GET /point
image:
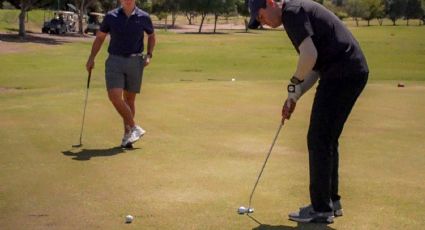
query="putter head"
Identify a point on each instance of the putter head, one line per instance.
(242, 210)
(77, 146)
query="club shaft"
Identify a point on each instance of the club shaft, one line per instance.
(264, 165)
(85, 105)
(84, 115)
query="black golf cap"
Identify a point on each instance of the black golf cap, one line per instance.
(253, 7)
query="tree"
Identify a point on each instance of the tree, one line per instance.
(203, 7)
(25, 6)
(413, 10)
(164, 7)
(188, 8)
(337, 10)
(372, 9)
(423, 10)
(108, 5)
(395, 9)
(356, 9)
(221, 7)
(381, 13)
(82, 6)
(242, 10)
(338, 2)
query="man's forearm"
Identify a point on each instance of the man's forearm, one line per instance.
(307, 59)
(97, 44)
(309, 80)
(151, 43)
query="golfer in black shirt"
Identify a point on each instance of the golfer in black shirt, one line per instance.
(327, 50)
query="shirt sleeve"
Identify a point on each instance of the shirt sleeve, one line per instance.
(105, 27)
(149, 26)
(297, 26)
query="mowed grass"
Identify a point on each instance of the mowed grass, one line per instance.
(206, 139)
(9, 19)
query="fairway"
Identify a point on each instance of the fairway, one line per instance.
(207, 137)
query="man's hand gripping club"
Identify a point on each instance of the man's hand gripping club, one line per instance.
(294, 93)
(296, 89)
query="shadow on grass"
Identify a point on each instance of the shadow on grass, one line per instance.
(40, 38)
(300, 226)
(30, 38)
(87, 154)
(206, 33)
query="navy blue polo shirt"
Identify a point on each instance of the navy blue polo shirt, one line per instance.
(338, 52)
(126, 32)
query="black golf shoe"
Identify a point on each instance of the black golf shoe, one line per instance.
(308, 215)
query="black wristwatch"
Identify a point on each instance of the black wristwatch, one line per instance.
(291, 88)
(296, 81)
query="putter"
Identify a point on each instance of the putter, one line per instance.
(84, 112)
(243, 210)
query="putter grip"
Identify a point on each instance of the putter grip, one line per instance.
(88, 80)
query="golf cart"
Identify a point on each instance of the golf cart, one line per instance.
(93, 22)
(61, 23)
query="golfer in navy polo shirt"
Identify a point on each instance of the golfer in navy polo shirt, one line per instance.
(124, 66)
(327, 50)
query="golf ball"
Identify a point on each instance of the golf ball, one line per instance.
(241, 210)
(129, 219)
(233, 79)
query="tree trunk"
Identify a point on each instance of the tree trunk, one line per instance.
(393, 19)
(357, 21)
(189, 17)
(203, 15)
(215, 21)
(380, 21)
(407, 21)
(166, 22)
(368, 22)
(173, 19)
(246, 25)
(22, 32)
(80, 18)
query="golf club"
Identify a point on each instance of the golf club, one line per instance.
(242, 210)
(84, 112)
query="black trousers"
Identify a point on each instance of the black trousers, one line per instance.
(332, 104)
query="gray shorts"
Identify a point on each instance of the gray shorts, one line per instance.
(124, 73)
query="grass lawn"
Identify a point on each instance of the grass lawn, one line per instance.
(206, 140)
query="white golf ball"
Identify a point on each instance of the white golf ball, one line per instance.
(241, 210)
(233, 79)
(129, 218)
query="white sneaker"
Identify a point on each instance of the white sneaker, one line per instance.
(136, 133)
(124, 142)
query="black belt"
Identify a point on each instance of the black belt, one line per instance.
(129, 55)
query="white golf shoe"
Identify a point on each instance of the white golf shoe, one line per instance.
(136, 133)
(124, 142)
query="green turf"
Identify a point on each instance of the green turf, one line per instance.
(206, 140)
(9, 19)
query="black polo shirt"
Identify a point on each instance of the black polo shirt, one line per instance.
(126, 32)
(339, 53)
